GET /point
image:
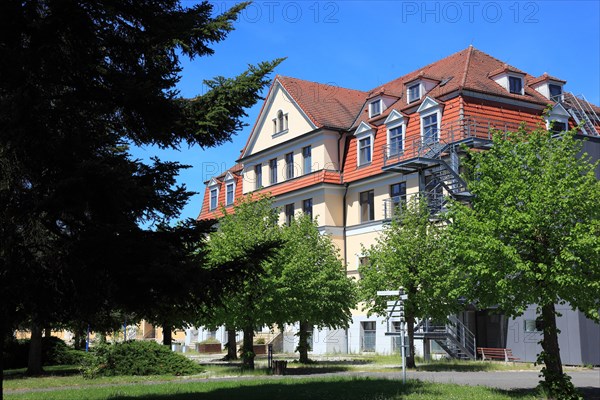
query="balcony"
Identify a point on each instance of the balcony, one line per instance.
(394, 206)
(417, 153)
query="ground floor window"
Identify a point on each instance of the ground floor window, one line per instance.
(369, 329)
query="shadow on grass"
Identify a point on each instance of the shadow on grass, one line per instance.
(316, 369)
(54, 370)
(447, 366)
(355, 389)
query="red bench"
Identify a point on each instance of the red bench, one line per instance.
(494, 353)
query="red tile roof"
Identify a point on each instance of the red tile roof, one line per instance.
(544, 77)
(326, 105)
(468, 69)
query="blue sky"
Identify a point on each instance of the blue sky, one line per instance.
(360, 44)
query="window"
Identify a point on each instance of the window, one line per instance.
(395, 141)
(307, 207)
(398, 194)
(289, 213)
(369, 330)
(258, 175)
(363, 261)
(289, 165)
(229, 189)
(273, 170)
(533, 325)
(515, 85)
(214, 194)
(364, 151)
(375, 108)
(558, 127)
(280, 123)
(414, 92)
(430, 128)
(367, 209)
(555, 92)
(307, 157)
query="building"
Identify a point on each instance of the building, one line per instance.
(348, 156)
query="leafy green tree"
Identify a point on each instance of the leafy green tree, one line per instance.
(312, 287)
(252, 226)
(79, 83)
(531, 235)
(409, 254)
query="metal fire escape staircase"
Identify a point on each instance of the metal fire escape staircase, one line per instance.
(585, 115)
(440, 159)
(453, 337)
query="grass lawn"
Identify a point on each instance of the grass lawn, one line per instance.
(286, 388)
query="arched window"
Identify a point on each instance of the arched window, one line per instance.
(280, 121)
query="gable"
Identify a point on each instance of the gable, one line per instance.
(264, 135)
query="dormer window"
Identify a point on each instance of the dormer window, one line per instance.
(229, 189)
(214, 195)
(414, 92)
(557, 119)
(375, 108)
(364, 143)
(396, 127)
(280, 123)
(515, 85)
(431, 115)
(555, 92)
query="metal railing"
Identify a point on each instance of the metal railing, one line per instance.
(394, 206)
(449, 134)
(459, 339)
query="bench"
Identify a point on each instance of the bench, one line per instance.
(494, 353)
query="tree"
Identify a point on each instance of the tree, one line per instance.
(79, 83)
(312, 287)
(252, 226)
(409, 254)
(531, 235)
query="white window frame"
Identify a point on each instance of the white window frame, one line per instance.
(257, 184)
(372, 113)
(280, 122)
(289, 166)
(428, 108)
(362, 132)
(307, 160)
(361, 161)
(227, 186)
(396, 125)
(273, 170)
(212, 207)
(408, 94)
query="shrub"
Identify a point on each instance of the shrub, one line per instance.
(210, 341)
(54, 352)
(259, 341)
(137, 358)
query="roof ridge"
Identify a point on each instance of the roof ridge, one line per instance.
(420, 68)
(467, 63)
(321, 83)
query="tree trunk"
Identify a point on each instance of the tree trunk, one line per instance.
(2, 341)
(79, 338)
(47, 332)
(167, 334)
(410, 327)
(231, 345)
(303, 342)
(248, 348)
(556, 384)
(34, 362)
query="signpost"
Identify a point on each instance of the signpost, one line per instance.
(395, 309)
